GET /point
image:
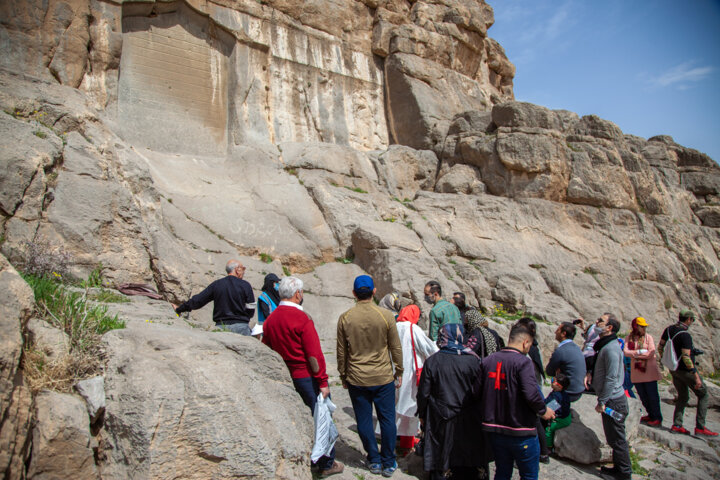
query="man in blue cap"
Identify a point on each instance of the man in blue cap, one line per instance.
(366, 340)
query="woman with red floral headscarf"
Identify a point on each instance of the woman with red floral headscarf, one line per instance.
(644, 370)
(416, 347)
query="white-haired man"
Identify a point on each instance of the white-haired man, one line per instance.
(291, 333)
(232, 297)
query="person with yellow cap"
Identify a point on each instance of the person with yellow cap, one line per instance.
(644, 370)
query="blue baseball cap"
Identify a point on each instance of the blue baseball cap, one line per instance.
(363, 281)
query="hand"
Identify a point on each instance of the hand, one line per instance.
(398, 382)
(549, 414)
(588, 381)
(698, 382)
(344, 384)
(599, 408)
(325, 391)
(174, 306)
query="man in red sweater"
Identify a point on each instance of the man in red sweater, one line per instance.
(291, 333)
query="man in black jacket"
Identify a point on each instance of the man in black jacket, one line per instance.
(686, 377)
(511, 402)
(234, 301)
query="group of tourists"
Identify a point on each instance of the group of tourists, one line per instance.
(460, 396)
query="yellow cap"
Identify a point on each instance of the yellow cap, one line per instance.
(641, 321)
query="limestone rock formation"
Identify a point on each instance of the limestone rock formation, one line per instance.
(61, 438)
(161, 138)
(15, 399)
(186, 402)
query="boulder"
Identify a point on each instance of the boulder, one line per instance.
(62, 444)
(586, 432)
(93, 391)
(183, 400)
(461, 179)
(47, 339)
(523, 114)
(709, 215)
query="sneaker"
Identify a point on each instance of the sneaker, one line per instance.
(653, 423)
(388, 471)
(337, 467)
(644, 419)
(679, 429)
(609, 470)
(544, 458)
(705, 431)
(375, 468)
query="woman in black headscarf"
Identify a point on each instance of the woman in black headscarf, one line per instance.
(448, 409)
(269, 298)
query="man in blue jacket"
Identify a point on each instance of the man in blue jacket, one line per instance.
(511, 402)
(569, 360)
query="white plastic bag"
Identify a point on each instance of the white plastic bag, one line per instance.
(325, 430)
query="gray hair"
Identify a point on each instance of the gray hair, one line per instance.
(231, 266)
(289, 286)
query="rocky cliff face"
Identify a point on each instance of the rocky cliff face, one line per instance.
(161, 138)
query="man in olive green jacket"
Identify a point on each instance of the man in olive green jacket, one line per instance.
(367, 339)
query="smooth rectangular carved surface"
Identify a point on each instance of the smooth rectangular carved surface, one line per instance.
(173, 83)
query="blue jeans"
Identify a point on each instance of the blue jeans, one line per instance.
(525, 451)
(240, 327)
(648, 392)
(309, 390)
(383, 397)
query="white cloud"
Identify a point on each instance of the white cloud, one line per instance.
(681, 75)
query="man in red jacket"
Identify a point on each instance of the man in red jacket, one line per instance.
(291, 333)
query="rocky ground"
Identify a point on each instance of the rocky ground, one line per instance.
(661, 453)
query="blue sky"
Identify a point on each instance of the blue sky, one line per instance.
(652, 67)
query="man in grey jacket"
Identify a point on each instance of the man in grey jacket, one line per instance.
(607, 381)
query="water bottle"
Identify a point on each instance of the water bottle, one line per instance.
(612, 413)
(553, 405)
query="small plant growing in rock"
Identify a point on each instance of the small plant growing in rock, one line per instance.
(356, 190)
(286, 271)
(344, 260)
(264, 257)
(668, 304)
(44, 260)
(95, 279)
(537, 266)
(40, 134)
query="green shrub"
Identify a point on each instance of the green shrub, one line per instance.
(95, 278)
(70, 312)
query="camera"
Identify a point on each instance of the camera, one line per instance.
(697, 351)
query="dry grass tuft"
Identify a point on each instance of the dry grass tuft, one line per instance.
(59, 374)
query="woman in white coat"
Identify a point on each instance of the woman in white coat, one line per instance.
(416, 347)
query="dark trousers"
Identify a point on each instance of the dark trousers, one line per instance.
(650, 398)
(542, 438)
(309, 390)
(685, 381)
(615, 435)
(383, 398)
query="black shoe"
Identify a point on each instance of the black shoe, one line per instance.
(545, 459)
(614, 473)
